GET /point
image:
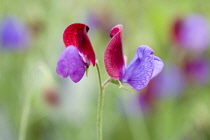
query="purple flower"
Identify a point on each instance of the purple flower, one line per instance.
(13, 33)
(78, 54)
(192, 33)
(141, 69)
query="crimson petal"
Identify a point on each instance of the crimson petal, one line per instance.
(113, 55)
(76, 35)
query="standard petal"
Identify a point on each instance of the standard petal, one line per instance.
(71, 64)
(76, 34)
(113, 55)
(140, 70)
(158, 66)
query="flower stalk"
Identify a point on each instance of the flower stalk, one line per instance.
(100, 106)
(100, 103)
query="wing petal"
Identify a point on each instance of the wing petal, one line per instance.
(140, 70)
(71, 64)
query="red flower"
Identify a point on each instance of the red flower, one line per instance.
(78, 54)
(76, 35)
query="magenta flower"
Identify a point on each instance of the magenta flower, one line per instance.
(78, 54)
(141, 69)
(191, 33)
(197, 70)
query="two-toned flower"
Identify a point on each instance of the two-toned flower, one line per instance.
(191, 33)
(142, 68)
(78, 54)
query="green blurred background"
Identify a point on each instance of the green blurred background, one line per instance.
(59, 109)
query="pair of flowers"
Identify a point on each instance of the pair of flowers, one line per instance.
(79, 54)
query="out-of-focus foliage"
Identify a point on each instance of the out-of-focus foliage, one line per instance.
(174, 106)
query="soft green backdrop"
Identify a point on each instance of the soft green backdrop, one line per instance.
(30, 73)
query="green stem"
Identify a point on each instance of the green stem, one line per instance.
(106, 82)
(24, 117)
(100, 106)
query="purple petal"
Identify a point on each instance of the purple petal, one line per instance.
(158, 66)
(71, 64)
(139, 72)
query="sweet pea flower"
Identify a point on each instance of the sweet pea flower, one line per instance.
(191, 33)
(14, 34)
(78, 54)
(143, 67)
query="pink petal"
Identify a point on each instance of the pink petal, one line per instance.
(76, 34)
(113, 55)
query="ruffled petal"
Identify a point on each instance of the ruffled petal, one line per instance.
(76, 34)
(158, 66)
(113, 55)
(139, 72)
(71, 64)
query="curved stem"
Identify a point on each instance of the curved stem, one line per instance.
(24, 117)
(106, 82)
(100, 106)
